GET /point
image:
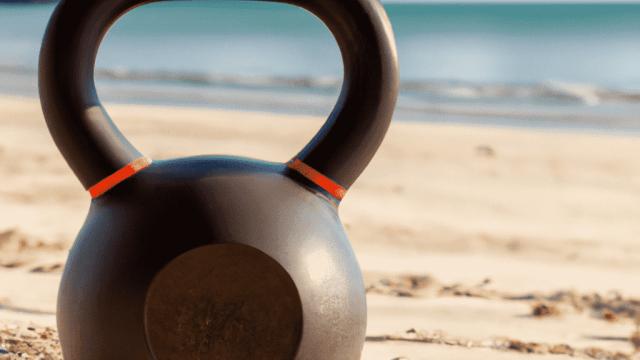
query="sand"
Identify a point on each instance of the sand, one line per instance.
(475, 242)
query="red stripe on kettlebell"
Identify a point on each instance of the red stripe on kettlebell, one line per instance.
(119, 176)
(317, 178)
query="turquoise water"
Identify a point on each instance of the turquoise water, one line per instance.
(572, 65)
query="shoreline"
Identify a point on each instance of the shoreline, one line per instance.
(556, 105)
(452, 117)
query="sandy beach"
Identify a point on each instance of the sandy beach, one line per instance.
(475, 242)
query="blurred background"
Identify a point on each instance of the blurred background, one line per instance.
(499, 220)
(551, 65)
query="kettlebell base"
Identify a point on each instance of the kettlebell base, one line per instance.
(224, 301)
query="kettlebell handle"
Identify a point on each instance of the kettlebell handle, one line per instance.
(96, 150)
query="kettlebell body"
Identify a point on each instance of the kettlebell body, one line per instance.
(214, 257)
(197, 208)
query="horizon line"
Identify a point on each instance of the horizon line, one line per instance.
(512, 2)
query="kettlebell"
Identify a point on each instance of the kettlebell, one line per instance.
(214, 257)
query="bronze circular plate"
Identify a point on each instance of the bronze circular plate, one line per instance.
(224, 301)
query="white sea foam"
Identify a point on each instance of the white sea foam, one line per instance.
(549, 104)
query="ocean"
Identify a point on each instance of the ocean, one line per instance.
(574, 66)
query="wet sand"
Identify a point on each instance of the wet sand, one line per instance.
(475, 242)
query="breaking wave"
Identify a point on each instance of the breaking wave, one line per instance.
(546, 91)
(548, 104)
(555, 91)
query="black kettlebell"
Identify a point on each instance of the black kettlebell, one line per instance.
(214, 257)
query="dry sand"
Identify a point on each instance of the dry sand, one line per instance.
(476, 242)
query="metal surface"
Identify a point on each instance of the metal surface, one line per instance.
(190, 242)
